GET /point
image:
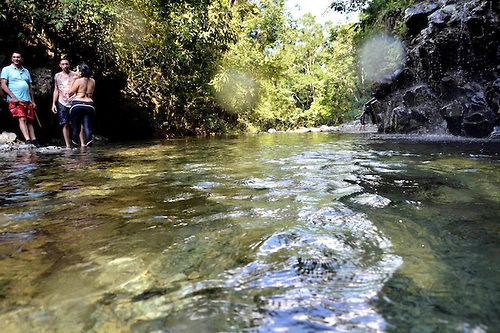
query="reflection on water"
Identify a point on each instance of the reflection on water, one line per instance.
(281, 233)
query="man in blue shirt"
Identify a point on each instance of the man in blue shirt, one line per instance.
(16, 82)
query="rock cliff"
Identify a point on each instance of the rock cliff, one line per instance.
(450, 81)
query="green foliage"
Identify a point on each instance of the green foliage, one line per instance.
(348, 5)
(378, 17)
(168, 52)
(384, 15)
(60, 27)
(210, 66)
(299, 76)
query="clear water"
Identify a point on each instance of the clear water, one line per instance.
(270, 233)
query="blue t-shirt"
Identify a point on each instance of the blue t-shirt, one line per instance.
(18, 82)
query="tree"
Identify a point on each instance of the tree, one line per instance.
(348, 5)
(299, 76)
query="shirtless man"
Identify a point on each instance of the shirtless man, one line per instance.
(16, 82)
(61, 101)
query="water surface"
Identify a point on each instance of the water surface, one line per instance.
(269, 233)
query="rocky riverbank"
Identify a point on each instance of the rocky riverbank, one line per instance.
(9, 142)
(450, 82)
(351, 127)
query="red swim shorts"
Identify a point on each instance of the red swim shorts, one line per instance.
(22, 109)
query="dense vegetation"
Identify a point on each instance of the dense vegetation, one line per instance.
(200, 66)
(283, 74)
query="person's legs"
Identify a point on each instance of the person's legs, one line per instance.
(82, 137)
(27, 108)
(63, 114)
(75, 124)
(87, 127)
(65, 131)
(23, 126)
(21, 111)
(31, 131)
(362, 121)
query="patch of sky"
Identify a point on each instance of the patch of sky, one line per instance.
(321, 10)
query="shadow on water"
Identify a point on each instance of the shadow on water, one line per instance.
(260, 233)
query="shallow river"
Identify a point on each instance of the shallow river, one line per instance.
(270, 233)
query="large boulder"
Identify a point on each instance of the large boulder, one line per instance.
(453, 114)
(418, 95)
(479, 119)
(492, 95)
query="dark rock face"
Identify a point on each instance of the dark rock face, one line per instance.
(416, 17)
(450, 81)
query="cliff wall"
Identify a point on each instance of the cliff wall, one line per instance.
(450, 81)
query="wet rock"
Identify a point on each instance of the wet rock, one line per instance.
(475, 26)
(15, 145)
(496, 133)
(481, 7)
(418, 95)
(479, 120)
(492, 95)
(453, 114)
(452, 11)
(326, 268)
(401, 117)
(478, 125)
(442, 16)
(19, 145)
(381, 89)
(416, 17)
(302, 130)
(7, 137)
(450, 88)
(372, 200)
(450, 82)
